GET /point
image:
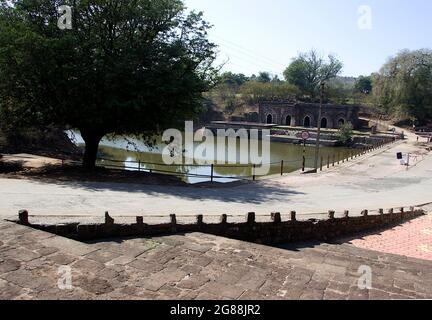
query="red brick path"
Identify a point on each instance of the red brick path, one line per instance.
(412, 239)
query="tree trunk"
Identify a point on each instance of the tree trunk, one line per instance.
(91, 140)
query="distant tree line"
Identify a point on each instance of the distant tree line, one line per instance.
(301, 81)
(400, 90)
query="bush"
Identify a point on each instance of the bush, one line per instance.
(345, 133)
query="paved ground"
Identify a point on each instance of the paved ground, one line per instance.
(371, 182)
(412, 239)
(198, 266)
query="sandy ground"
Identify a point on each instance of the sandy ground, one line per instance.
(30, 160)
(376, 180)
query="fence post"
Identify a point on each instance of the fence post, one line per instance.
(338, 158)
(212, 171)
(334, 159)
(253, 174)
(321, 165)
(282, 167)
(328, 162)
(139, 165)
(304, 164)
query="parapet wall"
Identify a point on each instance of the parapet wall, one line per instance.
(275, 231)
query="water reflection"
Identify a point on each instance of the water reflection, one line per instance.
(132, 154)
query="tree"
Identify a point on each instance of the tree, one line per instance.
(309, 69)
(126, 67)
(264, 77)
(345, 133)
(233, 79)
(364, 84)
(254, 91)
(403, 86)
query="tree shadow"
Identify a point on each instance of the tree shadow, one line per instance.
(168, 186)
(253, 193)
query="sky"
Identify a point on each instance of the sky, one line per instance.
(265, 35)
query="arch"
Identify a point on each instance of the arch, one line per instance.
(288, 120)
(341, 122)
(324, 123)
(269, 119)
(307, 122)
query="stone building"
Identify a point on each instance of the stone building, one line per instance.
(300, 114)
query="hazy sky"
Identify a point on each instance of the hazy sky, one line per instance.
(264, 35)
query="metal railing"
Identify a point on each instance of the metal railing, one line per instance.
(324, 162)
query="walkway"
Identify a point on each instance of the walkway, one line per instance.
(198, 266)
(371, 182)
(412, 239)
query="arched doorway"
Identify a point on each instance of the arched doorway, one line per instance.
(288, 120)
(324, 123)
(269, 119)
(341, 122)
(307, 122)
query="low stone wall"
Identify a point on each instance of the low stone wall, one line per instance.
(275, 231)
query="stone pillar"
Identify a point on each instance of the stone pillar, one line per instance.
(173, 223)
(23, 217)
(140, 221)
(200, 220)
(224, 219)
(250, 218)
(109, 222)
(276, 217)
(293, 216)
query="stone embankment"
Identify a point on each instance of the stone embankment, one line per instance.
(274, 232)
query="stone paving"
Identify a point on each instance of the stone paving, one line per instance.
(412, 239)
(199, 266)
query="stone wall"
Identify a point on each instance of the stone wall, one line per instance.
(298, 114)
(275, 231)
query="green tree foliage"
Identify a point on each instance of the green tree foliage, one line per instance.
(126, 67)
(364, 84)
(309, 69)
(403, 87)
(232, 79)
(340, 90)
(264, 77)
(255, 91)
(345, 133)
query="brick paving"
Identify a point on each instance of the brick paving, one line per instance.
(412, 239)
(199, 266)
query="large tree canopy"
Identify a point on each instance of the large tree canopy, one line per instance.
(403, 87)
(309, 69)
(125, 67)
(364, 84)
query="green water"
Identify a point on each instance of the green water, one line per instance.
(138, 156)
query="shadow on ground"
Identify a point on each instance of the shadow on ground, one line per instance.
(167, 186)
